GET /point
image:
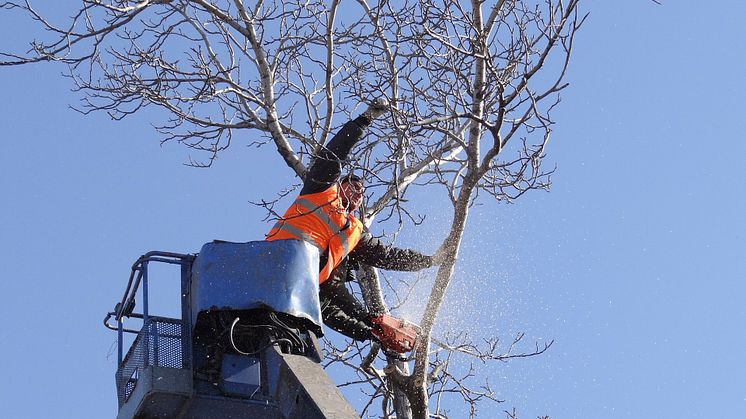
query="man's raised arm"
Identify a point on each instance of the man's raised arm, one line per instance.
(327, 165)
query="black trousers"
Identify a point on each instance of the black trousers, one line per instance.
(342, 311)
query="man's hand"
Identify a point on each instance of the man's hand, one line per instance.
(376, 109)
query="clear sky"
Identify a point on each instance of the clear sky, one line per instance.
(633, 263)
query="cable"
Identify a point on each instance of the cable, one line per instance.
(270, 343)
(289, 331)
(233, 343)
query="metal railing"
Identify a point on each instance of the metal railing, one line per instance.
(161, 341)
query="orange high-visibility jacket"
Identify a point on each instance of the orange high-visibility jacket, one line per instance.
(320, 219)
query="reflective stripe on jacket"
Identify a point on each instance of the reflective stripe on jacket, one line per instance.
(320, 219)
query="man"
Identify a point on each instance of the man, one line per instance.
(322, 216)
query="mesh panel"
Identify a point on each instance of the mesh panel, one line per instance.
(159, 343)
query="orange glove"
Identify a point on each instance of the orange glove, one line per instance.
(394, 334)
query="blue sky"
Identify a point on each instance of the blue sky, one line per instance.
(632, 264)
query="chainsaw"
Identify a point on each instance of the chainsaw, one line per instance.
(395, 335)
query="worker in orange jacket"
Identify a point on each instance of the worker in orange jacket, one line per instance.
(322, 215)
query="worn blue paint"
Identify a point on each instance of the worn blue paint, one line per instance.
(280, 275)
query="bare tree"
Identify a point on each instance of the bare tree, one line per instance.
(471, 84)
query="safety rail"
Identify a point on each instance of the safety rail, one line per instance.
(125, 308)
